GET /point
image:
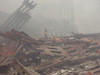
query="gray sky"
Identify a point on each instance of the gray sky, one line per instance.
(87, 12)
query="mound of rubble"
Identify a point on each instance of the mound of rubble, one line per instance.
(21, 54)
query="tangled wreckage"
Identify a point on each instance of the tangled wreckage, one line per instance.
(73, 55)
(20, 54)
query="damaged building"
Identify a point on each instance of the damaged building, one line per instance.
(22, 54)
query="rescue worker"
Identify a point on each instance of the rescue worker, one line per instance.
(54, 40)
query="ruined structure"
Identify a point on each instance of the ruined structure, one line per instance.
(20, 54)
(19, 17)
(68, 18)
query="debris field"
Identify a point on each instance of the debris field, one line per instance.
(20, 54)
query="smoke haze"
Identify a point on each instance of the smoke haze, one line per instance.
(86, 14)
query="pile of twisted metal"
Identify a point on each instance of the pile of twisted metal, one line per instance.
(78, 54)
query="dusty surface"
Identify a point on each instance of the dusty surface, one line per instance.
(72, 54)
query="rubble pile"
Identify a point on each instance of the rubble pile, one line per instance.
(71, 55)
(19, 46)
(78, 53)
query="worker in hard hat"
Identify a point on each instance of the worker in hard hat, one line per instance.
(54, 40)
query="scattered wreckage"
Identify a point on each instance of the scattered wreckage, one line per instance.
(21, 54)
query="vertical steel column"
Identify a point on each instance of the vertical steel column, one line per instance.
(19, 16)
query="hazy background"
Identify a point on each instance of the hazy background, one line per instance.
(86, 12)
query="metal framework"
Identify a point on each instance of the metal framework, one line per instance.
(19, 17)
